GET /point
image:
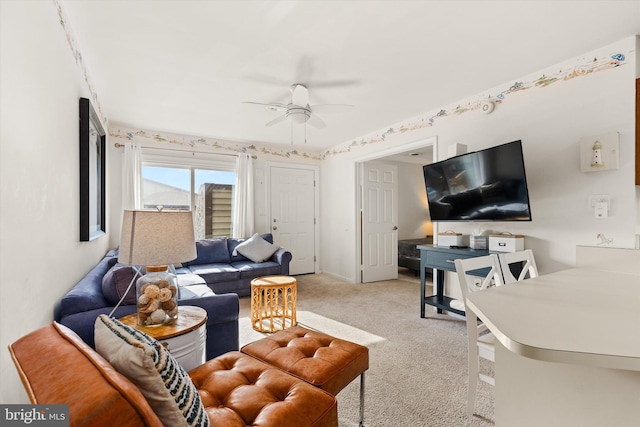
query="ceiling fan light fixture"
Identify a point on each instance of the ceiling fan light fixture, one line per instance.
(298, 111)
(298, 115)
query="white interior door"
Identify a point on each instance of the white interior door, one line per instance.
(379, 222)
(292, 196)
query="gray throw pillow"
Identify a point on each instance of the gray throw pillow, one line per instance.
(256, 248)
(115, 283)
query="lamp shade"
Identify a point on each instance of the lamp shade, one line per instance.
(156, 237)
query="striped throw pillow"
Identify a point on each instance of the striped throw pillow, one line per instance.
(146, 363)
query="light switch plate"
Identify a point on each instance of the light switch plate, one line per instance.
(602, 210)
(597, 198)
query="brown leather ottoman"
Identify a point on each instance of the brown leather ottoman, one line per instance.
(326, 362)
(238, 390)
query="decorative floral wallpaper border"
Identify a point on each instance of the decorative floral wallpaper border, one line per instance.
(77, 55)
(583, 67)
(200, 142)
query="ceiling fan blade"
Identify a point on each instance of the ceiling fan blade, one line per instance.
(316, 122)
(330, 108)
(334, 83)
(277, 120)
(305, 74)
(275, 107)
(300, 95)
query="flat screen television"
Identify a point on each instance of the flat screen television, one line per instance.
(486, 185)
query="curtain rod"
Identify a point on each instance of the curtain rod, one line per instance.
(118, 145)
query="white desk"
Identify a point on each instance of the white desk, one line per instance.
(569, 352)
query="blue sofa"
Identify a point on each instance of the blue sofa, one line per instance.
(228, 276)
(225, 270)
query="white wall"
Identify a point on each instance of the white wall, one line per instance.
(41, 256)
(550, 120)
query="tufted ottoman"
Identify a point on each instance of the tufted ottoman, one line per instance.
(238, 391)
(324, 361)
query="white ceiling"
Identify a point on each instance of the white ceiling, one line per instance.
(187, 66)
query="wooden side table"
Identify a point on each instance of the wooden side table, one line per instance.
(273, 301)
(185, 338)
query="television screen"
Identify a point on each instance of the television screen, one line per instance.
(487, 185)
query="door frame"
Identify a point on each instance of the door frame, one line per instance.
(379, 156)
(316, 201)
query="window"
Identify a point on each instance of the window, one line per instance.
(206, 191)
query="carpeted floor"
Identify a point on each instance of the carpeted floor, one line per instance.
(418, 367)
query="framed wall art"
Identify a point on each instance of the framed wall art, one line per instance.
(600, 152)
(92, 173)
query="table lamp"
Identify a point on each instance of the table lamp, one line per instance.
(157, 239)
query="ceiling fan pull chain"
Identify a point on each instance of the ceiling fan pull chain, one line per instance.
(305, 132)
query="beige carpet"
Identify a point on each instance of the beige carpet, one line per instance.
(418, 367)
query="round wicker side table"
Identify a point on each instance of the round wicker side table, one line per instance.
(273, 303)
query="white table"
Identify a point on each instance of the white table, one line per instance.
(569, 352)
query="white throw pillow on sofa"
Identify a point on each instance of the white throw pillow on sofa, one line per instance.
(256, 248)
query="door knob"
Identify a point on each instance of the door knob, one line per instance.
(275, 228)
(395, 227)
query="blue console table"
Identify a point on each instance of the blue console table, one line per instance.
(441, 259)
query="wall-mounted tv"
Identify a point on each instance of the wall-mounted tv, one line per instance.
(486, 185)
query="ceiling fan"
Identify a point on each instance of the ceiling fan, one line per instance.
(298, 110)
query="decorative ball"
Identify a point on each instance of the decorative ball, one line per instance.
(143, 300)
(157, 316)
(142, 317)
(174, 290)
(162, 283)
(165, 295)
(169, 305)
(145, 308)
(173, 313)
(152, 291)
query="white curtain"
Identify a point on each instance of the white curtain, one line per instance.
(243, 203)
(131, 176)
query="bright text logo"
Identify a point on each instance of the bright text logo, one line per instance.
(34, 415)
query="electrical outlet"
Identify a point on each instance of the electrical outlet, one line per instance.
(594, 199)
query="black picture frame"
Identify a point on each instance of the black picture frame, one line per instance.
(92, 173)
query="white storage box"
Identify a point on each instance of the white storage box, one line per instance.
(453, 239)
(506, 243)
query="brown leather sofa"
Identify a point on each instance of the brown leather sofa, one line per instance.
(56, 366)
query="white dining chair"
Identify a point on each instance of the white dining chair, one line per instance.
(521, 259)
(476, 274)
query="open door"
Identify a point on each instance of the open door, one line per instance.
(378, 219)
